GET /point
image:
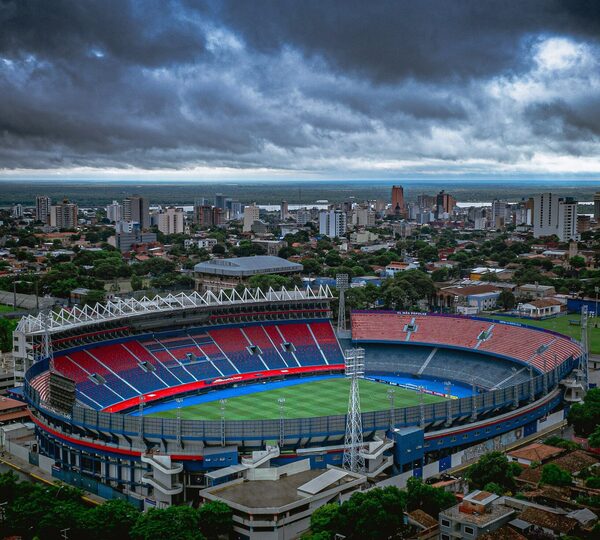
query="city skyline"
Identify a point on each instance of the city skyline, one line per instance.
(262, 91)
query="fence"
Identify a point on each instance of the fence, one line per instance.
(324, 426)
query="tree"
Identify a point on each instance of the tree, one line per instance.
(93, 297)
(174, 523)
(311, 266)
(137, 283)
(216, 519)
(506, 299)
(577, 262)
(7, 327)
(113, 519)
(493, 468)
(594, 438)
(370, 515)
(325, 521)
(585, 417)
(492, 487)
(555, 476)
(219, 249)
(429, 499)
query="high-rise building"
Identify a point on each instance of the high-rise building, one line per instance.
(426, 202)
(235, 209)
(42, 208)
(553, 215)
(251, 214)
(114, 212)
(137, 208)
(500, 212)
(364, 217)
(332, 223)
(567, 219)
(444, 204)
(597, 206)
(283, 211)
(303, 216)
(203, 215)
(397, 201)
(220, 201)
(218, 217)
(64, 215)
(171, 220)
(17, 211)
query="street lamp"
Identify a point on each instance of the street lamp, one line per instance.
(596, 290)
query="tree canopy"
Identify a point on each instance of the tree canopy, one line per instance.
(493, 468)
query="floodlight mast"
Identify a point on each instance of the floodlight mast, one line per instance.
(353, 442)
(583, 359)
(341, 282)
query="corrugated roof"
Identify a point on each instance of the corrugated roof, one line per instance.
(247, 266)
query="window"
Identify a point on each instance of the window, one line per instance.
(445, 523)
(445, 537)
(469, 530)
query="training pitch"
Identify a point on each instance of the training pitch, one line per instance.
(317, 398)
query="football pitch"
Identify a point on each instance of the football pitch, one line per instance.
(317, 398)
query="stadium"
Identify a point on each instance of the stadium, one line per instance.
(158, 398)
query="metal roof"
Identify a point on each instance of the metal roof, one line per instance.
(323, 481)
(247, 266)
(123, 308)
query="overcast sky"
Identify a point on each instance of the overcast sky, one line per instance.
(299, 89)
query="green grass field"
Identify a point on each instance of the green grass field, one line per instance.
(6, 309)
(318, 398)
(562, 325)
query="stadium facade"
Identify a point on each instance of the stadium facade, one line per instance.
(110, 361)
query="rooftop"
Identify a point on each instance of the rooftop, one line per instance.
(495, 512)
(267, 493)
(248, 266)
(549, 520)
(9, 403)
(503, 533)
(536, 452)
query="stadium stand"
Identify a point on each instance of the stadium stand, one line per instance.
(112, 372)
(511, 341)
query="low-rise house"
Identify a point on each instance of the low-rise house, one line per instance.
(543, 307)
(399, 266)
(427, 526)
(534, 453)
(534, 291)
(548, 522)
(480, 512)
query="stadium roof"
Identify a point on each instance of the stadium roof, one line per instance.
(123, 308)
(248, 266)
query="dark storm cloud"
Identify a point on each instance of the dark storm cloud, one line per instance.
(302, 86)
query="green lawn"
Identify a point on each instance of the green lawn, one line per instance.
(6, 309)
(561, 324)
(318, 398)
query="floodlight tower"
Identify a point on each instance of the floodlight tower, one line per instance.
(583, 359)
(281, 402)
(341, 282)
(353, 442)
(47, 343)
